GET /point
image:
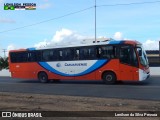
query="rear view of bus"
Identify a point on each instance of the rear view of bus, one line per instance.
(110, 61)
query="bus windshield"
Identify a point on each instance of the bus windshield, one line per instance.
(142, 55)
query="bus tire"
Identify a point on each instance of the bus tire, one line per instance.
(109, 78)
(42, 77)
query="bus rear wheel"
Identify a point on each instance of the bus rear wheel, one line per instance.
(109, 78)
(43, 77)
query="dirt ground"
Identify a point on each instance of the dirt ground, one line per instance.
(38, 102)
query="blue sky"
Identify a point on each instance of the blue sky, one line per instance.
(139, 22)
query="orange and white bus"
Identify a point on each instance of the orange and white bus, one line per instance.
(109, 61)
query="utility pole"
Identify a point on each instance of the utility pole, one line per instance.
(95, 23)
(4, 51)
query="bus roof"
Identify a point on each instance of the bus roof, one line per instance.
(105, 42)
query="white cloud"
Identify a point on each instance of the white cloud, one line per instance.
(151, 45)
(41, 44)
(44, 6)
(66, 36)
(148, 44)
(62, 37)
(118, 36)
(11, 47)
(6, 20)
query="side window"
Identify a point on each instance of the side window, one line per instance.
(13, 57)
(24, 57)
(87, 53)
(83, 53)
(38, 55)
(60, 55)
(51, 55)
(92, 52)
(19, 57)
(65, 54)
(46, 55)
(134, 60)
(125, 54)
(76, 54)
(32, 56)
(106, 52)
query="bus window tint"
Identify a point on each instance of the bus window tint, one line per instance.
(107, 52)
(24, 57)
(31, 56)
(38, 55)
(87, 53)
(125, 54)
(134, 60)
(76, 54)
(13, 57)
(62, 54)
(52, 55)
(65, 54)
(49, 55)
(19, 56)
(46, 54)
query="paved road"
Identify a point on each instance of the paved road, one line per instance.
(148, 90)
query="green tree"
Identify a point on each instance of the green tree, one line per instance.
(3, 63)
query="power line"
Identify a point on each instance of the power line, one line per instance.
(138, 3)
(76, 13)
(46, 20)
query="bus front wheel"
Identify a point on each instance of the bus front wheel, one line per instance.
(42, 77)
(109, 78)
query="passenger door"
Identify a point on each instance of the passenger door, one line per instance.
(128, 63)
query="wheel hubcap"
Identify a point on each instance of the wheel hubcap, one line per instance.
(109, 77)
